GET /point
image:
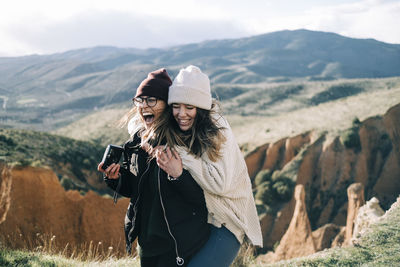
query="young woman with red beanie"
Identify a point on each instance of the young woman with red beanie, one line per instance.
(168, 216)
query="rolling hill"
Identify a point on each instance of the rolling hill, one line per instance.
(268, 112)
(49, 91)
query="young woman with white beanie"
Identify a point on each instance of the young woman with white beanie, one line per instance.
(201, 141)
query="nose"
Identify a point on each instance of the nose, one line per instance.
(144, 103)
(182, 111)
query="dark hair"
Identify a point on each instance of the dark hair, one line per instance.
(204, 136)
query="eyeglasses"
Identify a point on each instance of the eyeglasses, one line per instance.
(150, 101)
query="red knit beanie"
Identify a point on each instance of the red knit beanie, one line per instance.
(156, 84)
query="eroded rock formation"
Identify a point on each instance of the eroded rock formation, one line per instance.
(327, 167)
(325, 235)
(298, 240)
(355, 196)
(38, 207)
(254, 159)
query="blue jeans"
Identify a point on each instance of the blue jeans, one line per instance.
(219, 251)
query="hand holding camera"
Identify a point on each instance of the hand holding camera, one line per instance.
(111, 157)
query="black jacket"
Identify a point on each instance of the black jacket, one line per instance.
(182, 199)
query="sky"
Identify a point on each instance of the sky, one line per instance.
(53, 26)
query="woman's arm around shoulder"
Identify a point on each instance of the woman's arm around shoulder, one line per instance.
(219, 177)
(179, 179)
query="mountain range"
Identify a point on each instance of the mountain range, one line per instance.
(45, 92)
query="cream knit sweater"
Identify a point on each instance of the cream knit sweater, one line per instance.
(227, 188)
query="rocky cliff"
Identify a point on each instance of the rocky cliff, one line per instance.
(326, 165)
(35, 209)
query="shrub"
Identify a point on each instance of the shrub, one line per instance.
(282, 188)
(8, 141)
(264, 193)
(24, 162)
(261, 209)
(336, 92)
(351, 139)
(262, 176)
(67, 183)
(356, 122)
(273, 188)
(224, 93)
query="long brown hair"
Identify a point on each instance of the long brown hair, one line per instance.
(205, 136)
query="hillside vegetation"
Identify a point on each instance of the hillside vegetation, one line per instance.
(72, 160)
(333, 116)
(325, 106)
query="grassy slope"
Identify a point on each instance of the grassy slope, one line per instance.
(332, 116)
(25, 147)
(378, 247)
(70, 159)
(100, 125)
(269, 123)
(10, 258)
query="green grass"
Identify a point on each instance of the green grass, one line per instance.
(23, 258)
(28, 258)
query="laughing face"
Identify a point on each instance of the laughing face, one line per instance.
(184, 115)
(150, 109)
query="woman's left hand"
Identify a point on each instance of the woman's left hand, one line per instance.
(169, 160)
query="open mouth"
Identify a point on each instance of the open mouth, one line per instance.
(148, 118)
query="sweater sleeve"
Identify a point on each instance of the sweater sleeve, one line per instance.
(217, 177)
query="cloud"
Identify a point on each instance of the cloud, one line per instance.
(45, 26)
(118, 29)
(378, 19)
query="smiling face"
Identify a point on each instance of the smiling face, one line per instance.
(150, 114)
(184, 115)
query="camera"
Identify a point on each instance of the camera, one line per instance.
(112, 154)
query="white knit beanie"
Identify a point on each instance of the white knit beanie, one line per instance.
(191, 87)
